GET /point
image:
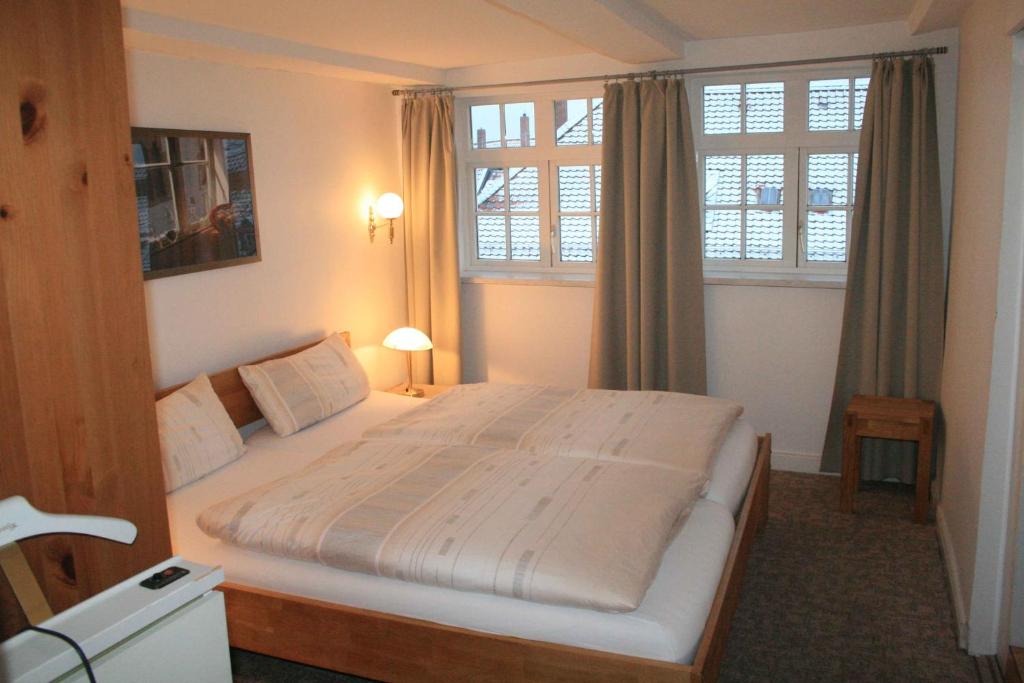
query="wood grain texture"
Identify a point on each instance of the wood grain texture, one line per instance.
(233, 393)
(393, 648)
(77, 428)
(885, 417)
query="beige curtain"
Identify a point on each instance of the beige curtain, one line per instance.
(431, 242)
(648, 329)
(892, 323)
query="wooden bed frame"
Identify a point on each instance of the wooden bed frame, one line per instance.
(388, 647)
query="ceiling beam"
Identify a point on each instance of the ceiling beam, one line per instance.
(931, 15)
(151, 32)
(626, 30)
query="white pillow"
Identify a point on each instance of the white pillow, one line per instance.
(196, 434)
(302, 389)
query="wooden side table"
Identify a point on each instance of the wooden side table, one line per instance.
(907, 419)
(429, 390)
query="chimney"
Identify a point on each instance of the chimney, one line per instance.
(561, 113)
(524, 131)
(481, 138)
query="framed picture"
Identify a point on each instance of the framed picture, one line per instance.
(196, 200)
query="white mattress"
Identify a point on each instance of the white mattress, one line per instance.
(667, 625)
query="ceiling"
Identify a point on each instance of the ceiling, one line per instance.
(416, 41)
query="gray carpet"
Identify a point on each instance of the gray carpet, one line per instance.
(827, 597)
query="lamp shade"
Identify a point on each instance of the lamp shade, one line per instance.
(408, 339)
(390, 205)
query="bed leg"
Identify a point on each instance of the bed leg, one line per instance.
(763, 486)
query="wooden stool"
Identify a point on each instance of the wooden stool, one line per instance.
(907, 419)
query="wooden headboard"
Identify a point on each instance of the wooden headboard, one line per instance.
(232, 391)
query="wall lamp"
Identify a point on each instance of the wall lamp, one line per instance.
(389, 206)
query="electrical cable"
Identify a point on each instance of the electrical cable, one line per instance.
(70, 641)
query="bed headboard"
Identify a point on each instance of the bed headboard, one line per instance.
(232, 391)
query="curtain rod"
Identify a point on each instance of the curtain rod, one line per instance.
(679, 72)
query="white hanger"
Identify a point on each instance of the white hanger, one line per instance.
(19, 520)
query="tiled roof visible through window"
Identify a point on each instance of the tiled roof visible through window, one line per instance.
(826, 235)
(765, 107)
(722, 109)
(574, 188)
(764, 235)
(574, 131)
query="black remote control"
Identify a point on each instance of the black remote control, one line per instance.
(161, 579)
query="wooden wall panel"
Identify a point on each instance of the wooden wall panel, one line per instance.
(77, 423)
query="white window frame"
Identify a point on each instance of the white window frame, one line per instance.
(546, 156)
(796, 142)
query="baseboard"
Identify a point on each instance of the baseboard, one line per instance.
(796, 462)
(953, 572)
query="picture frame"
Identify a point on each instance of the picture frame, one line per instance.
(195, 197)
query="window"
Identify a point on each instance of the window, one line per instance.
(778, 158)
(530, 183)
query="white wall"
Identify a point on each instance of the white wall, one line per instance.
(981, 144)
(772, 348)
(323, 148)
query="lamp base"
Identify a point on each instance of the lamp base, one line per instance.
(415, 392)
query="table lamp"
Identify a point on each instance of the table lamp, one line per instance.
(408, 339)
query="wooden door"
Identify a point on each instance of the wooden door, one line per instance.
(77, 422)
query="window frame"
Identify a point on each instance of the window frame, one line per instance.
(796, 141)
(546, 156)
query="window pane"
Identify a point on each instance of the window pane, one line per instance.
(194, 191)
(828, 105)
(490, 237)
(860, 98)
(722, 179)
(524, 194)
(575, 238)
(525, 238)
(519, 125)
(485, 121)
(827, 179)
(572, 122)
(597, 188)
(191, 149)
(722, 234)
(574, 188)
(721, 109)
(158, 218)
(490, 189)
(597, 103)
(765, 107)
(765, 174)
(853, 176)
(149, 150)
(826, 235)
(764, 235)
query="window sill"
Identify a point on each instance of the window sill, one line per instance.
(753, 279)
(530, 279)
(711, 278)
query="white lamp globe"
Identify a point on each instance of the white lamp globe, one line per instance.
(390, 205)
(407, 339)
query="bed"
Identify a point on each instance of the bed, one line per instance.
(394, 630)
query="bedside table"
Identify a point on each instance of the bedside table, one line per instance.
(429, 390)
(905, 419)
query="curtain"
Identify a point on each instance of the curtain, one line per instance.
(431, 241)
(648, 327)
(891, 342)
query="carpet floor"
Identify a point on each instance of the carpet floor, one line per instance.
(827, 597)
